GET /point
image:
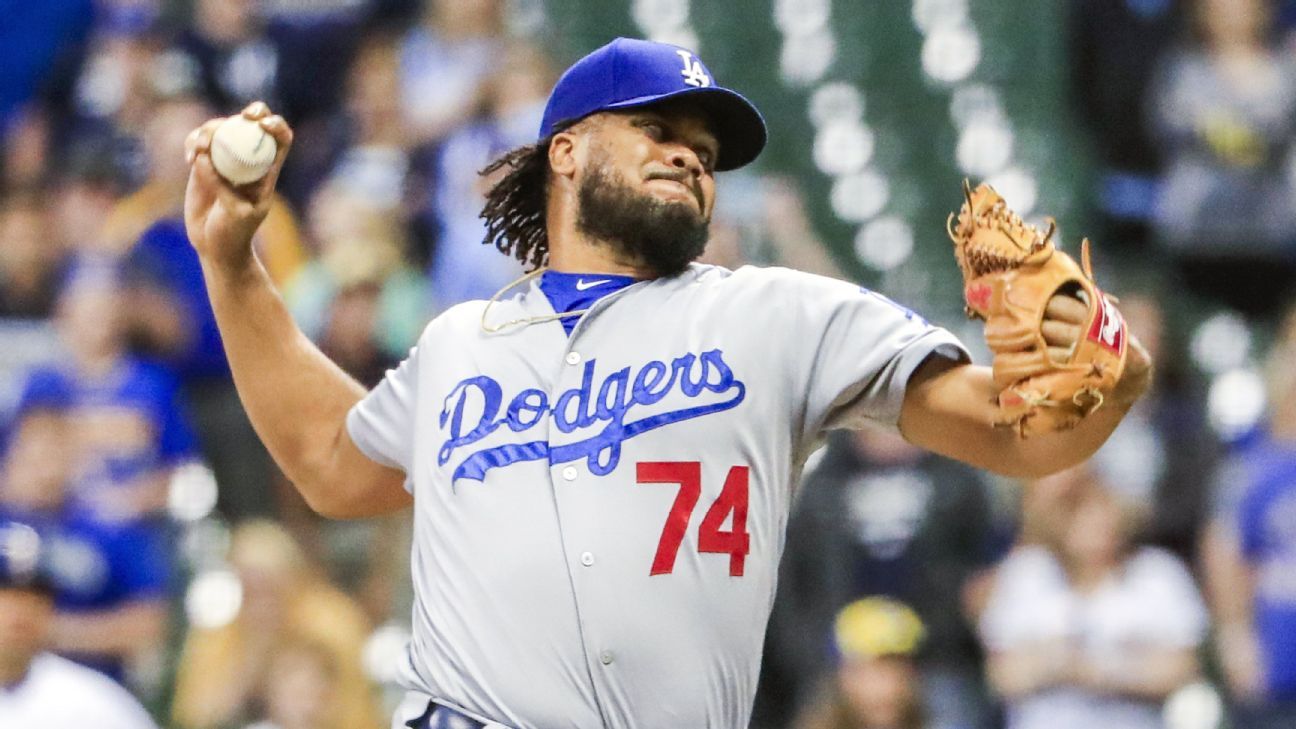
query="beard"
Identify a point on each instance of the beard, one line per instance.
(662, 235)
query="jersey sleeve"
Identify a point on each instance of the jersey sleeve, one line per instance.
(863, 349)
(382, 424)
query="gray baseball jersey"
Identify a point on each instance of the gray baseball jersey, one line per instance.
(598, 518)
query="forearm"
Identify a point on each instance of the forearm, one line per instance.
(952, 409)
(122, 631)
(1021, 672)
(296, 398)
(1149, 674)
(1043, 454)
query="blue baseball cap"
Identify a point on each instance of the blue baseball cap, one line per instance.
(629, 73)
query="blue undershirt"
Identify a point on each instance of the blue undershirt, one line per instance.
(575, 291)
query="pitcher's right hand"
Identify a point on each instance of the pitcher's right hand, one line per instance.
(220, 218)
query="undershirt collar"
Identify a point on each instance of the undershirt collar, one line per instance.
(572, 291)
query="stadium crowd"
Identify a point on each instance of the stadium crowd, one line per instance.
(1153, 586)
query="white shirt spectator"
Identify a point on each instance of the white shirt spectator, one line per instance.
(59, 694)
(1151, 602)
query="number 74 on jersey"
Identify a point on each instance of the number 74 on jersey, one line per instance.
(712, 536)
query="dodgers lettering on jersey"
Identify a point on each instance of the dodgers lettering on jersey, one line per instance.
(606, 404)
(599, 518)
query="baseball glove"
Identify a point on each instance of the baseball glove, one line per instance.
(1010, 272)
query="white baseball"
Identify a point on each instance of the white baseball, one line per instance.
(241, 151)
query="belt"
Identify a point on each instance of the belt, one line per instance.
(443, 717)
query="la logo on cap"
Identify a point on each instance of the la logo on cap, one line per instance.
(629, 73)
(693, 73)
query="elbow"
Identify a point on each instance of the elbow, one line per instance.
(316, 475)
(337, 498)
(338, 482)
(335, 510)
(325, 499)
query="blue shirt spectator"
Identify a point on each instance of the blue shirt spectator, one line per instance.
(110, 582)
(462, 267)
(164, 259)
(164, 272)
(97, 569)
(128, 425)
(1267, 532)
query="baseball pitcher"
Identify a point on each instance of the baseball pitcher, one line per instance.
(601, 458)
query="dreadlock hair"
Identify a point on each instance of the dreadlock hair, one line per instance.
(515, 206)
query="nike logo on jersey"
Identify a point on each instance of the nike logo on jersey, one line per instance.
(476, 408)
(582, 284)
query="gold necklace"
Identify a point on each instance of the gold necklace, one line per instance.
(493, 329)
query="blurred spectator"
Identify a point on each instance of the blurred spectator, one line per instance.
(28, 343)
(36, 41)
(879, 516)
(876, 684)
(29, 262)
(1047, 505)
(1250, 559)
(173, 114)
(364, 308)
(37, 688)
(1091, 631)
(314, 46)
(762, 220)
(111, 592)
(26, 150)
(113, 92)
(301, 688)
(350, 332)
(445, 60)
(42, 46)
(358, 280)
(222, 668)
(84, 193)
(236, 62)
(162, 135)
(1115, 48)
(365, 151)
(128, 429)
(513, 103)
(170, 314)
(1226, 113)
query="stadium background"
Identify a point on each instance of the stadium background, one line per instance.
(877, 111)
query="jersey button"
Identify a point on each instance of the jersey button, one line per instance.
(587, 559)
(569, 473)
(605, 658)
(573, 358)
